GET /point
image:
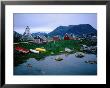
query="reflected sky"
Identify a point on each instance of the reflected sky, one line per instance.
(70, 65)
(48, 22)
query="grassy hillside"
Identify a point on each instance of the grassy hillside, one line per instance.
(52, 48)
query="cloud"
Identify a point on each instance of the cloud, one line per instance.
(48, 22)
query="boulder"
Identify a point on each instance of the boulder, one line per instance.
(58, 59)
(79, 54)
(68, 50)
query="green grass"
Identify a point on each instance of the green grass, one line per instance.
(52, 48)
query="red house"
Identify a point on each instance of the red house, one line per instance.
(56, 38)
(66, 37)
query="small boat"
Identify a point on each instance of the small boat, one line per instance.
(34, 51)
(40, 49)
(21, 49)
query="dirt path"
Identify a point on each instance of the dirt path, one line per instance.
(21, 42)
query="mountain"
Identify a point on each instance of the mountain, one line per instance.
(78, 30)
(17, 36)
(40, 34)
(27, 36)
(61, 30)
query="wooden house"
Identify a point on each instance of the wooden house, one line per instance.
(66, 37)
(70, 37)
(56, 38)
(40, 39)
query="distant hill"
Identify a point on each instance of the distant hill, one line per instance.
(40, 34)
(27, 36)
(78, 30)
(17, 36)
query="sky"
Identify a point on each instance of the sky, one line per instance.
(48, 22)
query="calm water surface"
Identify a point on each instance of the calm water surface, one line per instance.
(70, 65)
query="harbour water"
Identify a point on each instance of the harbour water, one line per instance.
(70, 65)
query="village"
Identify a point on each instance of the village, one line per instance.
(46, 44)
(41, 46)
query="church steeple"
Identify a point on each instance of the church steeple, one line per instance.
(27, 35)
(27, 31)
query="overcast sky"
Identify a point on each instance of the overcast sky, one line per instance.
(48, 22)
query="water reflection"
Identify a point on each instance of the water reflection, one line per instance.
(70, 65)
